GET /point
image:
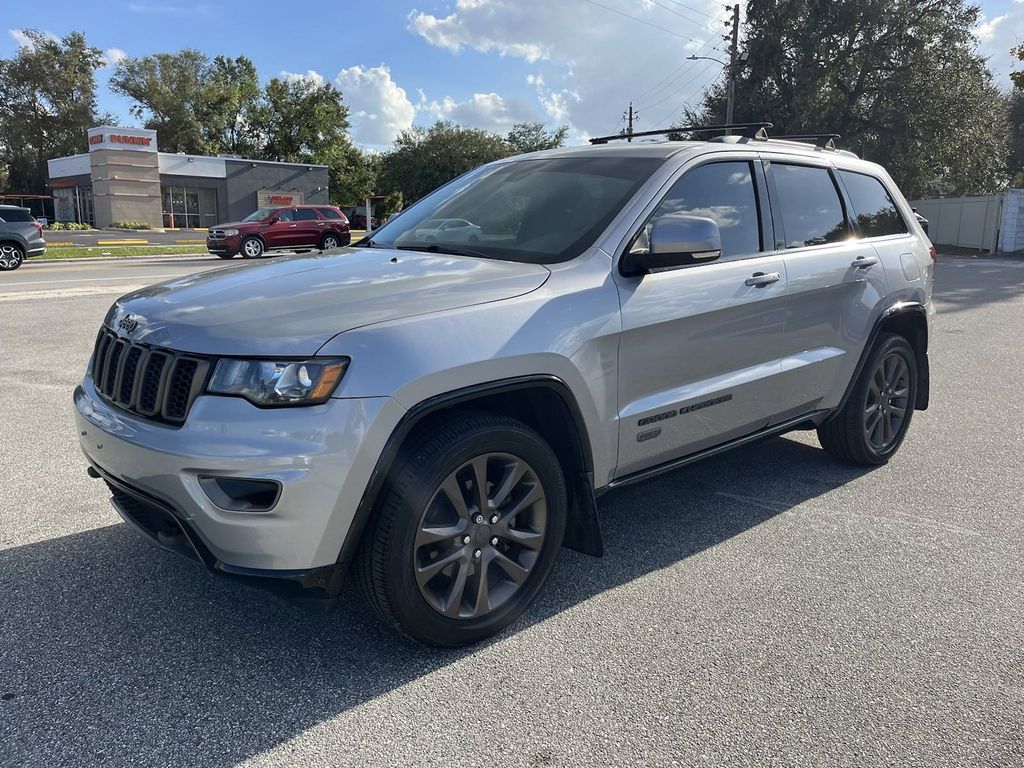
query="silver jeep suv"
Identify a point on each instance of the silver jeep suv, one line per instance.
(440, 417)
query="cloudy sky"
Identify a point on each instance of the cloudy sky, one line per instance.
(487, 63)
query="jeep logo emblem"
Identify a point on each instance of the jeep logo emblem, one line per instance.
(128, 324)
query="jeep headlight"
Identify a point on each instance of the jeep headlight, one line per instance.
(230, 232)
(278, 382)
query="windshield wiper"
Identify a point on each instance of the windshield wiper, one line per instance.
(443, 248)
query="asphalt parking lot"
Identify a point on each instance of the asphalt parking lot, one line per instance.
(765, 608)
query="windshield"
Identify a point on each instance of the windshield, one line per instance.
(538, 211)
(260, 215)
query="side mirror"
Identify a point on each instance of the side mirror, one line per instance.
(676, 240)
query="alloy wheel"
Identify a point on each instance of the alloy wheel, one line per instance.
(330, 242)
(887, 402)
(480, 536)
(10, 257)
(253, 248)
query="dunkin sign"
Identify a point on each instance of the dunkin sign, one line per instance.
(137, 139)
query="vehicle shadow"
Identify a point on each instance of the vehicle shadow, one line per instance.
(963, 282)
(114, 652)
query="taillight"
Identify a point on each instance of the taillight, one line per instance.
(933, 253)
(39, 228)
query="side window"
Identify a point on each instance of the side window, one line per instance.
(720, 191)
(808, 204)
(286, 214)
(329, 213)
(876, 213)
(305, 214)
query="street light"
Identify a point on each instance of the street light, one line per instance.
(731, 70)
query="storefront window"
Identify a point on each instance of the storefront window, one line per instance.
(189, 208)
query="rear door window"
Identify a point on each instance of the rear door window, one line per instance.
(806, 203)
(874, 210)
(15, 215)
(329, 213)
(305, 214)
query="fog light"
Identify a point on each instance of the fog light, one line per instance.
(240, 494)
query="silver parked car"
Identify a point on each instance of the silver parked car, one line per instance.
(439, 419)
(21, 236)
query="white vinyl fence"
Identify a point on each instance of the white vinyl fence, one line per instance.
(993, 223)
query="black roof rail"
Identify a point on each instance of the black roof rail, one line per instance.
(823, 140)
(748, 130)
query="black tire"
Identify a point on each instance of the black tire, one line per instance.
(12, 256)
(330, 237)
(880, 406)
(392, 555)
(225, 256)
(252, 248)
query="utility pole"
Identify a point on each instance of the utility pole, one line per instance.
(629, 122)
(734, 48)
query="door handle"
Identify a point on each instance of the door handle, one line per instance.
(863, 262)
(292, 226)
(761, 279)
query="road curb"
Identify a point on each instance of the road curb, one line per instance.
(91, 259)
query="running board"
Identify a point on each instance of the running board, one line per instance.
(778, 429)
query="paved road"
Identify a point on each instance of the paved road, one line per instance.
(154, 237)
(765, 608)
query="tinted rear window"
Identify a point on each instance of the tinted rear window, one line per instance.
(807, 202)
(329, 213)
(14, 215)
(305, 214)
(874, 210)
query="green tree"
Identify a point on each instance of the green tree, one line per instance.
(352, 173)
(532, 137)
(901, 80)
(170, 92)
(302, 120)
(231, 96)
(425, 158)
(1016, 118)
(47, 104)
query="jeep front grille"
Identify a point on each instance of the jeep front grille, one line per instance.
(155, 383)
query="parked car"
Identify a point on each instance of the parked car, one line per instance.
(448, 230)
(357, 218)
(284, 228)
(440, 420)
(21, 236)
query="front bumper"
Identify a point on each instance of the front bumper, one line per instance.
(322, 456)
(224, 245)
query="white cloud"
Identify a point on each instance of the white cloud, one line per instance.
(113, 56)
(22, 40)
(588, 61)
(310, 76)
(488, 111)
(380, 109)
(996, 36)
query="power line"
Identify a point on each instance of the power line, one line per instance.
(642, 21)
(695, 10)
(679, 89)
(680, 15)
(696, 76)
(673, 75)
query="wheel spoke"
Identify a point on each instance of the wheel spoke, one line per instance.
(431, 535)
(897, 411)
(536, 494)
(512, 477)
(528, 539)
(453, 491)
(483, 590)
(480, 480)
(515, 571)
(875, 437)
(451, 605)
(429, 571)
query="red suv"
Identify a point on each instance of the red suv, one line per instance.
(300, 226)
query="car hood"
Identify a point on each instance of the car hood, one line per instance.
(235, 224)
(293, 306)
